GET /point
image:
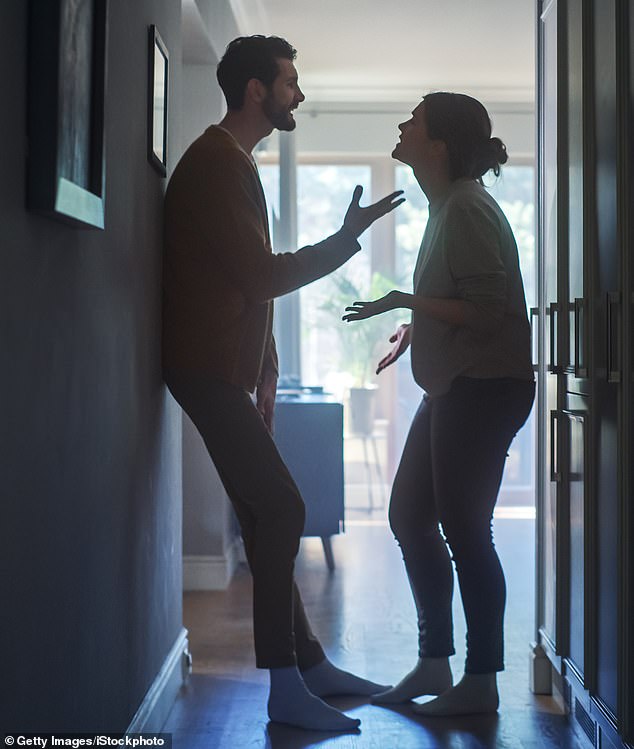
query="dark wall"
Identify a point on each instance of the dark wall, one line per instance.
(90, 532)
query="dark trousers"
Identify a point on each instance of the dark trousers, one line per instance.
(269, 508)
(450, 474)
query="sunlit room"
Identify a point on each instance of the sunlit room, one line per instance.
(361, 76)
(140, 526)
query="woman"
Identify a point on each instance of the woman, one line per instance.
(470, 352)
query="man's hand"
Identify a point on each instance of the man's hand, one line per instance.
(265, 398)
(358, 219)
(363, 310)
(402, 339)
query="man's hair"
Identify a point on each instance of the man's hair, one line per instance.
(250, 57)
(463, 123)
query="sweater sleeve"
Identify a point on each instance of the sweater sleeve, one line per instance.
(271, 362)
(229, 211)
(474, 257)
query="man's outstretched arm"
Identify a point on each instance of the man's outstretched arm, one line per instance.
(233, 223)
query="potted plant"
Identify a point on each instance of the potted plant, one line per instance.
(359, 342)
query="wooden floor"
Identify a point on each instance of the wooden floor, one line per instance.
(364, 616)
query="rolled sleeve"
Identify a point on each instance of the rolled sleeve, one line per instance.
(474, 257)
(270, 365)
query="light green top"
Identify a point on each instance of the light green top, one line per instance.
(469, 252)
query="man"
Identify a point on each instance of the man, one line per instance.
(220, 278)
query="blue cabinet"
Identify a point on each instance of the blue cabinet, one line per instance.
(308, 432)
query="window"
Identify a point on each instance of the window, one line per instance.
(270, 178)
(411, 219)
(328, 354)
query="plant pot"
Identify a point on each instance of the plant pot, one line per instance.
(362, 409)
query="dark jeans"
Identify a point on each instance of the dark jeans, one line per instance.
(268, 506)
(450, 474)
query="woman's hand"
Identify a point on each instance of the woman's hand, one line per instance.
(402, 339)
(363, 310)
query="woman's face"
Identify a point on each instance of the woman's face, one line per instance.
(414, 146)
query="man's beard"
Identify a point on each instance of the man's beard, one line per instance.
(280, 117)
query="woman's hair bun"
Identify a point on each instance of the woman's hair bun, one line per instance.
(498, 150)
(491, 156)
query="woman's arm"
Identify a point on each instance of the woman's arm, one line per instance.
(451, 311)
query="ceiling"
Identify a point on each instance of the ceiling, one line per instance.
(378, 51)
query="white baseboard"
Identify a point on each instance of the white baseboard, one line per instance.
(211, 572)
(159, 699)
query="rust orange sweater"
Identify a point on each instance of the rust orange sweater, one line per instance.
(220, 274)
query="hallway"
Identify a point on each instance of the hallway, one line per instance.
(365, 618)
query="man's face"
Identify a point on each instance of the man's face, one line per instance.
(414, 146)
(283, 96)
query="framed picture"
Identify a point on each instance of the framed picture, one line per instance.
(66, 91)
(158, 99)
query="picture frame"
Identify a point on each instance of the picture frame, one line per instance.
(158, 102)
(66, 171)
